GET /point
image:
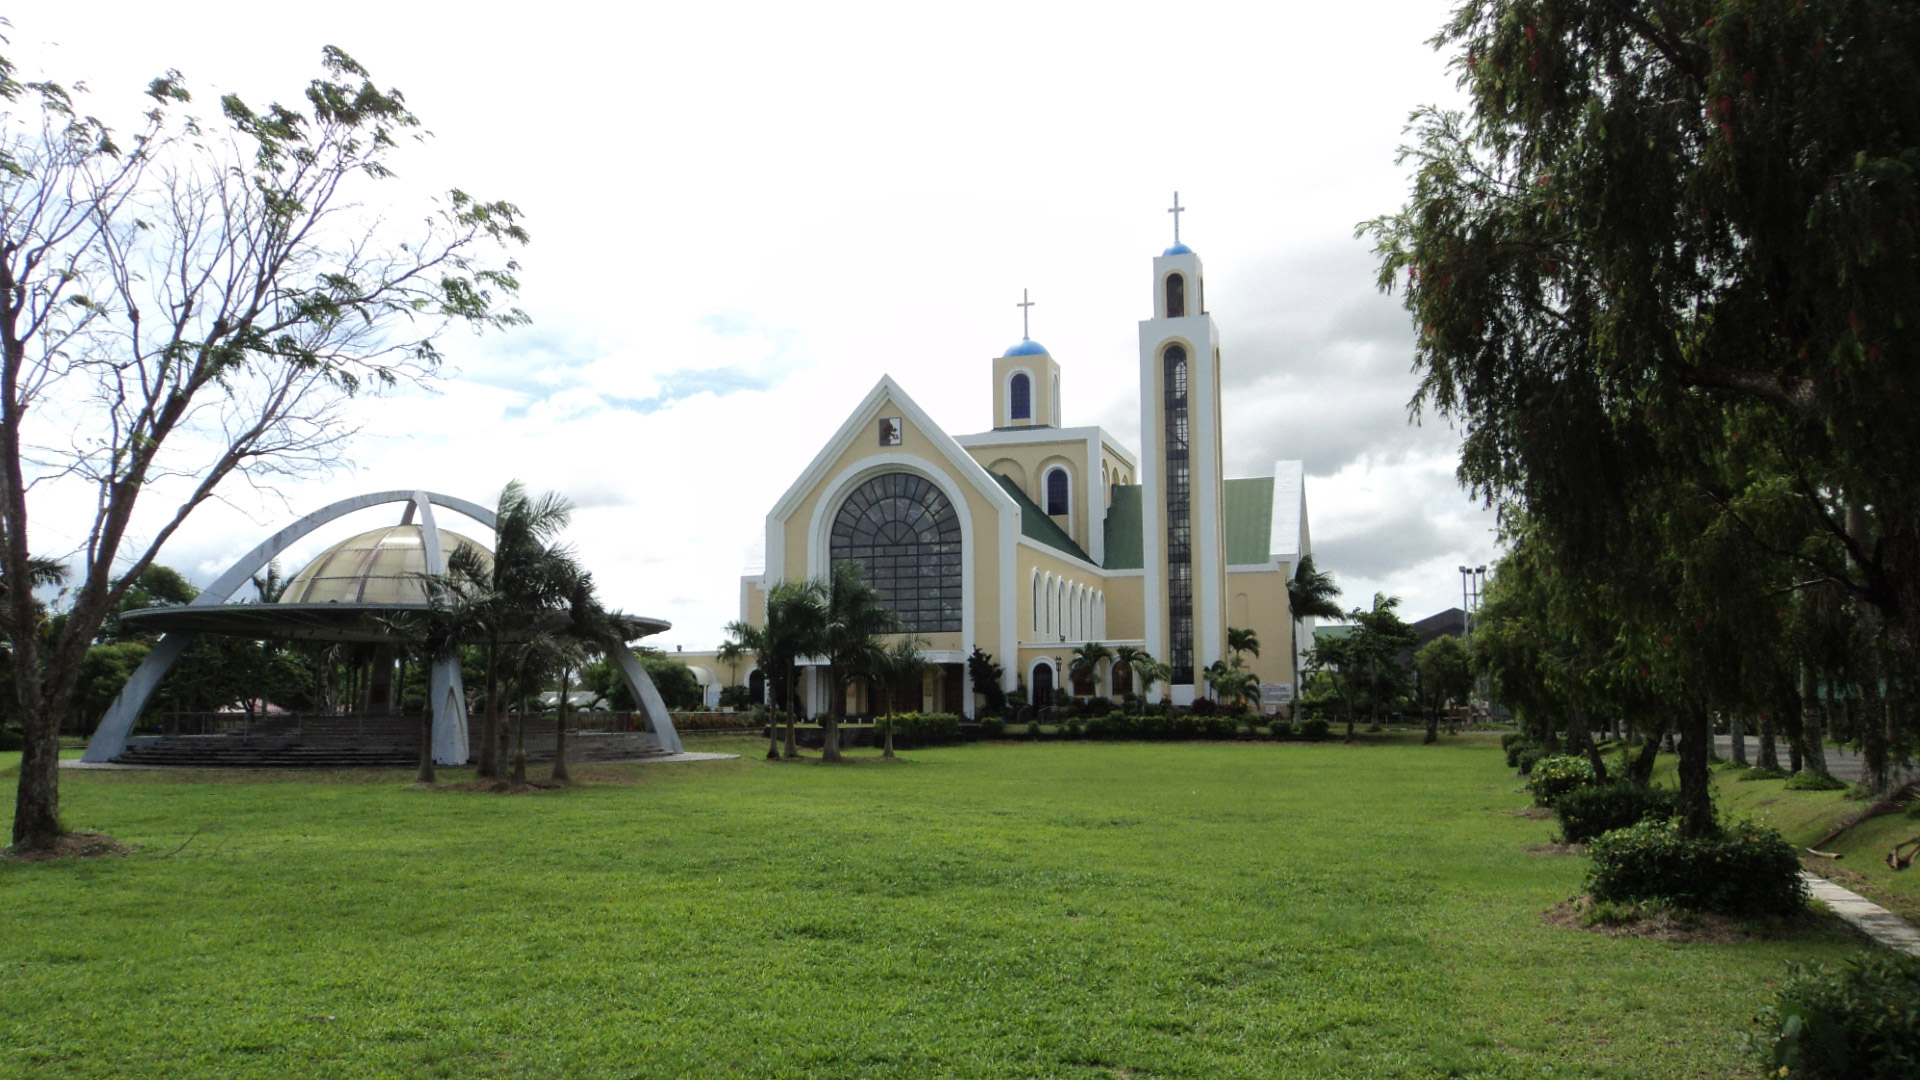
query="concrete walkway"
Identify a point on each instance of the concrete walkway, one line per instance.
(1873, 920)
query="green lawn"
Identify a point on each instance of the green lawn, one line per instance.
(982, 911)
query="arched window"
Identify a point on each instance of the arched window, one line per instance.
(1057, 492)
(1036, 603)
(905, 535)
(1176, 295)
(1020, 397)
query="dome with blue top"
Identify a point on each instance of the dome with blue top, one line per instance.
(1178, 249)
(1026, 347)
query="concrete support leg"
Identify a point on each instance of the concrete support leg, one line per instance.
(651, 704)
(110, 738)
(449, 713)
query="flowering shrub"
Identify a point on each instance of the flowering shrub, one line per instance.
(1553, 777)
(1745, 870)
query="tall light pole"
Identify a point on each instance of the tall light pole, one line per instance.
(1473, 581)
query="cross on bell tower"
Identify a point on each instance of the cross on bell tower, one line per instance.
(1023, 305)
(1176, 210)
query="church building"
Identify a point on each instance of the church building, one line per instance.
(1031, 537)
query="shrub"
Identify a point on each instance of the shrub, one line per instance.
(1315, 729)
(1860, 1020)
(1758, 773)
(1511, 737)
(1813, 781)
(1203, 707)
(1033, 730)
(1516, 748)
(1279, 729)
(1220, 727)
(12, 739)
(1745, 870)
(1530, 755)
(1157, 726)
(1589, 810)
(992, 727)
(1553, 777)
(1072, 730)
(925, 729)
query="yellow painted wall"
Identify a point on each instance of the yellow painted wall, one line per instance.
(1258, 602)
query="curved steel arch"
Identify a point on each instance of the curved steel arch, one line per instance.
(450, 743)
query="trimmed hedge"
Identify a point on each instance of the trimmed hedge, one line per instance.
(1746, 870)
(1552, 777)
(1590, 810)
(1861, 1020)
(1315, 728)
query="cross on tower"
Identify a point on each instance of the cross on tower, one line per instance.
(1023, 305)
(1175, 210)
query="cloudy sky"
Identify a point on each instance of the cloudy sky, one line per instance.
(745, 214)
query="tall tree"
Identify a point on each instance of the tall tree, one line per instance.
(1242, 641)
(199, 298)
(1446, 678)
(1658, 229)
(531, 576)
(1379, 638)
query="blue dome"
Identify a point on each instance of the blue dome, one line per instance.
(1027, 347)
(1178, 249)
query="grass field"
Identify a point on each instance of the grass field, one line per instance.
(981, 911)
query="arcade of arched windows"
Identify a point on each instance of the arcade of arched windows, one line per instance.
(1067, 610)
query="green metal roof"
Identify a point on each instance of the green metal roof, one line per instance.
(1123, 529)
(1249, 520)
(1036, 525)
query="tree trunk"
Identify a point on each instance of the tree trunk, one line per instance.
(520, 747)
(560, 730)
(426, 775)
(490, 720)
(1813, 752)
(830, 723)
(1875, 719)
(1640, 771)
(1769, 753)
(36, 805)
(1696, 782)
(889, 751)
(1737, 727)
(1579, 738)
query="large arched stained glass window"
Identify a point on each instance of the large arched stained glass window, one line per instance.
(905, 535)
(1020, 397)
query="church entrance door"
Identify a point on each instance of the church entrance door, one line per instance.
(1042, 685)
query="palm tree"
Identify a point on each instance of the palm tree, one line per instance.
(455, 613)
(530, 576)
(731, 652)
(1129, 657)
(1232, 683)
(904, 663)
(1242, 641)
(1311, 593)
(856, 618)
(590, 629)
(1152, 673)
(794, 617)
(1086, 663)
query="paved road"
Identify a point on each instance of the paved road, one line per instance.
(1843, 763)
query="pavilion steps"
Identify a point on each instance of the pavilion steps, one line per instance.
(355, 743)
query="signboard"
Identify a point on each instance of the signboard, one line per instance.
(1276, 693)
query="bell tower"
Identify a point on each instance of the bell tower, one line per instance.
(1183, 502)
(1026, 381)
